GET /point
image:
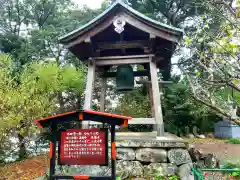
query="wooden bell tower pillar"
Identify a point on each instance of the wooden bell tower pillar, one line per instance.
(120, 36)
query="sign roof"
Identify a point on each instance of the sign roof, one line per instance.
(85, 115)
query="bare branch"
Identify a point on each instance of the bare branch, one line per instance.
(227, 5)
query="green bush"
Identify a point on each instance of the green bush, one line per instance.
(233, 166)
(233, 141)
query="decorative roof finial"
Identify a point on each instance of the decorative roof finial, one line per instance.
(119, 24)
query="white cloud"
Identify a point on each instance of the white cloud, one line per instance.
(94, 4)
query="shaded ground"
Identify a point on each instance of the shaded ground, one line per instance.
(224, 151)
(25, 170)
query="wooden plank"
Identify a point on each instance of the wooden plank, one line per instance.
(136, 74)
(142, 121)
(134, 121)
(89, 88)
(123, 57)
(90, 33)
(156, 99)
(149, 82)
(122, 61)
(88, 40)
(123, 44)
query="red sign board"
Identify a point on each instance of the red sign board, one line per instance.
(84, 147)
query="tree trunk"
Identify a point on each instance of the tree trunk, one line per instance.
(61, 102)
(22, 148)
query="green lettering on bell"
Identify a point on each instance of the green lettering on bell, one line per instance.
(125, 78)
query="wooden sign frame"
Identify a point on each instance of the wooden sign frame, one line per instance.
(89, 159)
(53, 122)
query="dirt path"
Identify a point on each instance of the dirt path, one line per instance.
(225, 152)
(25, 170)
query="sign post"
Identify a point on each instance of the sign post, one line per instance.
(82, 146)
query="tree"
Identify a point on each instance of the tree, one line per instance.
(212, 70)
(173, 12)
(181, 111)
(35, 95)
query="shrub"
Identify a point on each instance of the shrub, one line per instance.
(233, 166)
(233, 141)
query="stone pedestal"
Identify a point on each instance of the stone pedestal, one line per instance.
(142, 155)
(150, 157)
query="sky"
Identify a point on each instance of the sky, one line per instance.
(90, 3)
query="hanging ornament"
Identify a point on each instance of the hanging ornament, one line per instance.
(119, 24)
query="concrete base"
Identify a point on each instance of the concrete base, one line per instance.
(146, 136)
(149, 139)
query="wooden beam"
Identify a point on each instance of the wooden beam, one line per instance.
(123, 44)
(121, 61)
(89, 88)
(134, 121)
(147, 28)
(152, 36)
(97, 29)
(136, 74)
(124, 57)
(149, 82)
(156, 98)
(88, 40)
(142, 121)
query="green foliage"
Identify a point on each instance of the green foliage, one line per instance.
(235, 167)
(169, 177)
(214, 59)
(34, 93)
(172, 12)
(134, 103)
(179, 109)
(233, 141)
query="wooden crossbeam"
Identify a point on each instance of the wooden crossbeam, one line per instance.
(117, 60)
(136, 74)
(149, 82)
(123, 45)
(134, 121)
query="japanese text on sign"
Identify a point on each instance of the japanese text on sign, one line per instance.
(83, 147)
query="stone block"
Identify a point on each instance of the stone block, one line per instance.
(185, 171)
(179, 156)
(194, 154)
(125, 154)
(151, 155)
(190, 136)
(165, 143)
(127, 169)
(159, 169)
(210, 161)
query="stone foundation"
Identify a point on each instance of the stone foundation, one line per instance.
(143, 155)
(152, 158)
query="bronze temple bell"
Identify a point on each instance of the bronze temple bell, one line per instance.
(125, 78)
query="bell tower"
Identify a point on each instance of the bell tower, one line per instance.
(123, 37)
